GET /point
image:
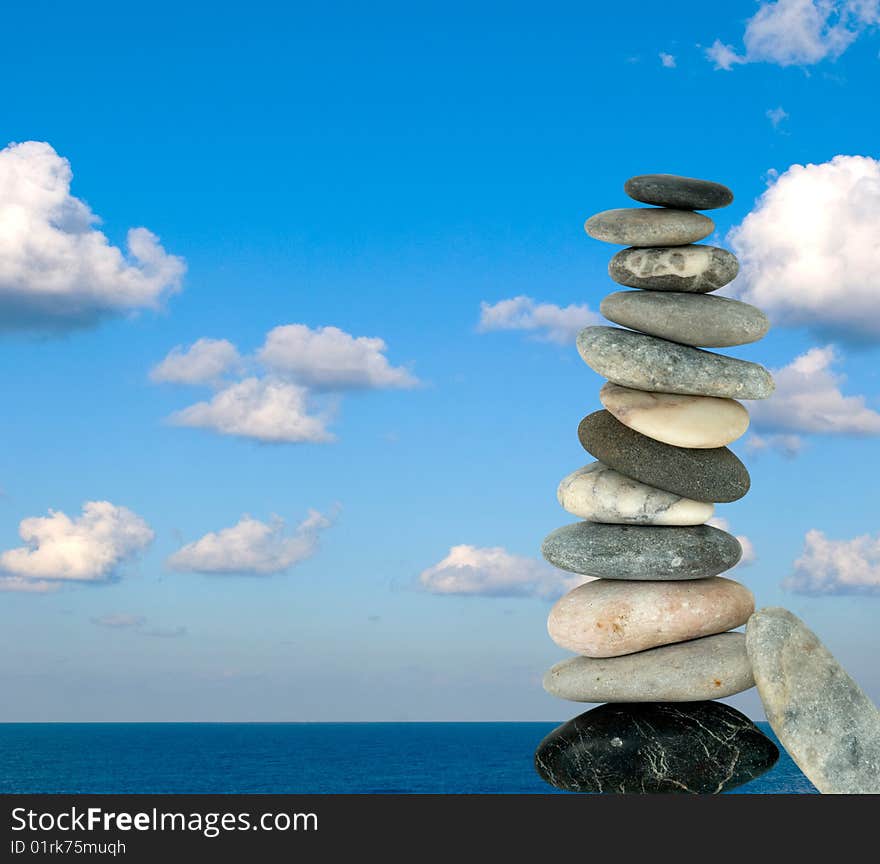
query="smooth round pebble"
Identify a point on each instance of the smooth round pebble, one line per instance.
(641, 553)
(697, 748)
(708, 474)
(709, 668)
(649, 226)
(601, 494)
(695, 269)
(671, 190)
(648, 363)
(691, 319)
(609, 618)
(699, 422)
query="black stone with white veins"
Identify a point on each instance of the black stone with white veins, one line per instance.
(671, 190)
(823, 718)
(687, 747)
(647, 363)
(649, 226)
(690, 319)
(641, 552)
(711, 474)
(695, 269)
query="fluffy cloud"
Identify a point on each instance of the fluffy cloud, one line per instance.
(748, 553)
(494, 572)
(667, 60)
(809, 249)
(331, 359)
(275, 403)
(252, 547)
(57, 270)
(263, 408)
(836, 566)
(798, 32)
(205, 361)
(85, 549)
(808, 399)
(553, 323)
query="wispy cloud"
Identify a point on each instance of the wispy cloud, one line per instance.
(776, 115)
(495, 572)
(667, 61)
(798, 32)
(252, 547)
(545, 321)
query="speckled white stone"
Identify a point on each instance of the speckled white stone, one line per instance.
(610, 618)
(601, 494)
(700, 422)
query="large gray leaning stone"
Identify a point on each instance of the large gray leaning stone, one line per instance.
(649, 226)
(692, 319)
(671, 190)
(709, 668)
(695, 269)
(641, 552)
(648, 363)
(702, 474)
(822, 717)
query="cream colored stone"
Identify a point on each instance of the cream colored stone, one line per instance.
(601, 494)
(700, 422)
(610, 618)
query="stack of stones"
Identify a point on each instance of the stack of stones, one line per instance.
(652, 630)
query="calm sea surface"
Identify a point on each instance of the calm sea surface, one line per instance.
(291, 758)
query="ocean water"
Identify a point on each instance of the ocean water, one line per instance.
(304, 758)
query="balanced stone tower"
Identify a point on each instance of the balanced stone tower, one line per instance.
(653, 628)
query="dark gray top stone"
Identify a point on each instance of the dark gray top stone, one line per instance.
(822, 717)
(698, 269)
(711, 474)
(649, 226)
(641, 552)
(647, 363)
(689, 747)
(670, 190)
(691, 319)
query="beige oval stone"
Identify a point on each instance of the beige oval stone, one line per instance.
(598, 493)
(699, 422)
(610, 618)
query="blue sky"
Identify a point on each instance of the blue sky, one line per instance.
(385, 172)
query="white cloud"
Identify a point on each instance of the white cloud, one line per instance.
(776, 115)
(267, 409)
(836, 566)
(553, 323)
(667, 60)
(119, 620)
(808, 399)
(204, 362)
(57, 269)
(252, 547)
(85, 549)
(331, 359)
(809, 249)
(788, 445)
(748, 553)
(495, 572)
(798, 32)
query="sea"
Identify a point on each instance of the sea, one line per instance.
(293, 758)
